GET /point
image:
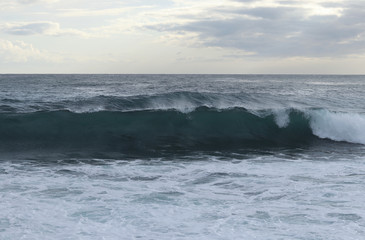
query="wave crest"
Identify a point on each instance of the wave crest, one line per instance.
(155, 130)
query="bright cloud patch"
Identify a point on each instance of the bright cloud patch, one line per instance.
(18, 51)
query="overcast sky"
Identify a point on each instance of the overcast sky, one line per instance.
(182, 36)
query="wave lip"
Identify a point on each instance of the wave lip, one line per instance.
(338, 126)
(159, 130)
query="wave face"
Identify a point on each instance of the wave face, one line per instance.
(157, 130)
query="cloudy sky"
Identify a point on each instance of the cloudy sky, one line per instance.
(182, 36)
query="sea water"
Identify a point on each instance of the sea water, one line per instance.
(182, 157)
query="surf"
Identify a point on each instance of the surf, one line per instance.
(157, 130)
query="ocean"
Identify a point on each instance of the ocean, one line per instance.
(182, 157)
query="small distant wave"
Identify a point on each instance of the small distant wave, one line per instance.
(157, 130)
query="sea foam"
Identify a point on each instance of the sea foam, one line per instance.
(349, 127)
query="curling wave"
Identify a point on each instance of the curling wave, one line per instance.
(153, 130)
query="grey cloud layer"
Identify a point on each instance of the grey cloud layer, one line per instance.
(283, 31)
(35, 1)
(29, 28)
(43, 28)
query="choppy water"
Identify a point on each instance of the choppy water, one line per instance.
(182, 157)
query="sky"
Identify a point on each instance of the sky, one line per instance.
(183, 36)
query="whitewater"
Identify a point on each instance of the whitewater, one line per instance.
(182, 156)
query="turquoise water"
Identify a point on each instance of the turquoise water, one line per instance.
(182, 157)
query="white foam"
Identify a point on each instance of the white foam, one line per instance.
(281, 117)
(87, 109)
(259, 197)
(349, 127)
(180, 103)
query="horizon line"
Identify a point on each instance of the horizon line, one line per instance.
(323, 74)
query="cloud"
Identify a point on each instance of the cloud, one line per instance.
(19, 51)
(262, 28)
(22, 52)
(105, 12)
(36, 1)
(42, 28)
(276, 28)
(92, 13)
(13, 4)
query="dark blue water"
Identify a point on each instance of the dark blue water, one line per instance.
(182, 156)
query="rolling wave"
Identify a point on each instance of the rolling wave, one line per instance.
(154, 130)
(182, 101)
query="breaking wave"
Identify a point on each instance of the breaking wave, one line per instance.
(203, 128)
